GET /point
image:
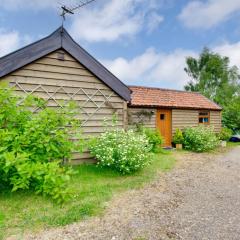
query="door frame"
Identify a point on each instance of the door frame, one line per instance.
(170, 125)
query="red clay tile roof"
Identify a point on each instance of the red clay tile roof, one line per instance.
(158, 97)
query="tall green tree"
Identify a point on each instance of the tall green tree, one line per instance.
(212, 75)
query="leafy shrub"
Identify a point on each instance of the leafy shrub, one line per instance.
(231, 114)
(225, 134)
(46, 178)
(178, 137)
(200, 139)
(154, 138)
(124, 151)
(33, 144)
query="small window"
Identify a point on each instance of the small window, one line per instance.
(204, 117)
(162, 116)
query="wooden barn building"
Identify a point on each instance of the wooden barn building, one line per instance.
(168, 110)
(56, 68)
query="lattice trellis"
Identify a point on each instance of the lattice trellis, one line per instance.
(70, 97)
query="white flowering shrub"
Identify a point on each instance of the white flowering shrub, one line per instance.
(124, 151)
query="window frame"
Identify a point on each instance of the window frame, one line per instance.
(205, 115)
(162, 116)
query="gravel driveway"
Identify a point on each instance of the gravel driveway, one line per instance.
(199, 199)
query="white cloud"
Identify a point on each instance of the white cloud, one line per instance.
(162, 69)
(105, 20)
(115, 19)
(154, 21)
(199, 14)
(230, 50)
(169, 71)
(9, 41)
(153, 69)
(134, 69)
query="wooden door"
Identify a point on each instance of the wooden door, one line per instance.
(164, 125)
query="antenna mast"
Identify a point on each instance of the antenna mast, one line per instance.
(68, 10)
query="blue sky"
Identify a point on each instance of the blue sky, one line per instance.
(143, 42)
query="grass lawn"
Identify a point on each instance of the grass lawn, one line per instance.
(233, 144)
(93, 187)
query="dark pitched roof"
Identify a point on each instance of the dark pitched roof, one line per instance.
(61, 39)
(159, 97)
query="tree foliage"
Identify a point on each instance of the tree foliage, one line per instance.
(231, 114)
(225, 134)
(212, 75)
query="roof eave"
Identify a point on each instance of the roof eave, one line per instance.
(173, 107)
(95, 67)
(30, 53)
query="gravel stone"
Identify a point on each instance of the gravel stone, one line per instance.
(198, 200)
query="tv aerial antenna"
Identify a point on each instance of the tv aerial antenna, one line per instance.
(70, 10)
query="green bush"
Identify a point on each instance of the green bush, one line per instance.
(231, 114)
(124, 151)
(32, 145)
(178, 137)
(225, 134)
(154, 138)
(200, 139)
(46, 178)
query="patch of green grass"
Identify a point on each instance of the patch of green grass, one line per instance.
(92, 187)
(233, 144)
(220, 150)
(140, 238)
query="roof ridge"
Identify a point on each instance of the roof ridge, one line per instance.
(164, 89)
(171, 98)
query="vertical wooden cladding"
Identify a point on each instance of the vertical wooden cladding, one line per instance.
(66, 77)
(135, 116)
